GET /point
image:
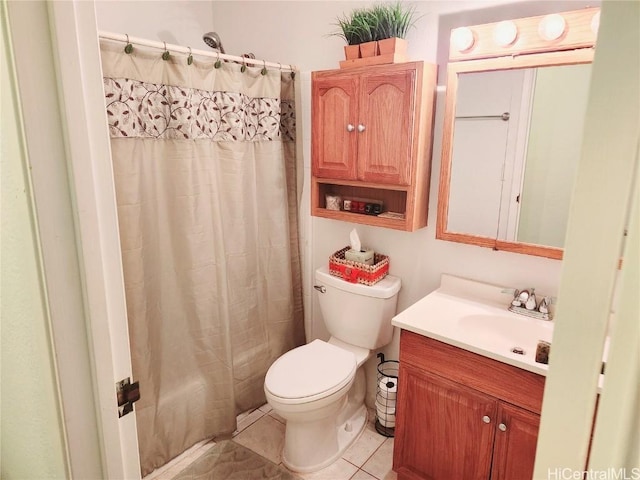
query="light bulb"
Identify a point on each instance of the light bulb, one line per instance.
(552, 26)
(595, 23)
(505, 33)
(462, 38)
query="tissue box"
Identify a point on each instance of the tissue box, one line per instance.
(355, 272)
(361, 256)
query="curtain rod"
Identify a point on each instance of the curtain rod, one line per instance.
(119, 37)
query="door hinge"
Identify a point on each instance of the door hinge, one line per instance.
(127, 393)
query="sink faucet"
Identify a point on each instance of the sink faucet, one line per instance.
(524, 302)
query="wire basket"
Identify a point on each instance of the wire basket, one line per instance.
(355, 272)
(386, 396)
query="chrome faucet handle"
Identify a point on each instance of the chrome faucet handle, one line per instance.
(522, 298)
(544, 305)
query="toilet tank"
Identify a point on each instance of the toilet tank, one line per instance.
(358, 314)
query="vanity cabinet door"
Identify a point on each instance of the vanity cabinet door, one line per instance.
(515, 443)
(443, 430)
(335, 137)
(385, 125)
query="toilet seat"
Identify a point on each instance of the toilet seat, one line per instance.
(310, 372)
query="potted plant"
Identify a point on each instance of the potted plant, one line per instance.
(365, 23)
(350, 35)
(357, 30)
(393, 22)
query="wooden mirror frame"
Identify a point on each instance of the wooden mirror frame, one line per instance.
(575, 46)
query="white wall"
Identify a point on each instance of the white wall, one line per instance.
(32, 433)
(180, 22)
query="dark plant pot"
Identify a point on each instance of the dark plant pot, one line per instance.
(351, 52)
(393, 45)
(368, 49)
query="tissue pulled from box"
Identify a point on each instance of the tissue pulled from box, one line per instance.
(354, 240)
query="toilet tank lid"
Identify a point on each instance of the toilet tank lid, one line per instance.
(385, 288)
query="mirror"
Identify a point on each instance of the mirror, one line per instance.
(511, 144)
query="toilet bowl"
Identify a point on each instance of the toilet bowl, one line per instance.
(308, 386)
(319, 388)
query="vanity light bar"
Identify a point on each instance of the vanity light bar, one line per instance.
(557, 31)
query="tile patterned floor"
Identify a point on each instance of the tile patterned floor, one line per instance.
(262, 431)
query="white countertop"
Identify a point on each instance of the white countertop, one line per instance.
(487, 329)
(474, 316)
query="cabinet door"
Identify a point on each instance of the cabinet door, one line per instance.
(334, 136)
(387, 111)
(440, 431)
(515, 445)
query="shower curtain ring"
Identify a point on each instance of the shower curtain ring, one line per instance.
(128, 48)
(190, 57)
(293, 71)
(243, 68)
(166, 54)
(264, 67)
(218, 63)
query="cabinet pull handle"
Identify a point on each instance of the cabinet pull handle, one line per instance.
(502, 427)
(361, 128)
(350, 128)
(486, 419)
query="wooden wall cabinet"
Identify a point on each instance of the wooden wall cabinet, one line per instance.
(371, 139)
(462, 415)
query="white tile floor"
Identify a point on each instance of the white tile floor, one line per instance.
(262, 431)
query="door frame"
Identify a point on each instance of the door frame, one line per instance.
(75, 35)
(60, 87)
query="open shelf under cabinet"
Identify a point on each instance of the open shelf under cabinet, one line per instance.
(394, 199)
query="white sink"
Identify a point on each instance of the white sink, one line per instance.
(503, 330)
(483, 326)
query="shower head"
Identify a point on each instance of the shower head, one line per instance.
(213, 40)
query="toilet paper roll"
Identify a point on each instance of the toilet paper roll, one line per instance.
(386, 407)
(388, 415)
(388, 388)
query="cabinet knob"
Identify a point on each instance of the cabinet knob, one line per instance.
(350, 128)
(486, 419)
(502, 427)
(361, 128)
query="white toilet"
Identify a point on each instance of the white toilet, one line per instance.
(319, 388)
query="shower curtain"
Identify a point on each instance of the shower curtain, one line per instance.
(204, 162)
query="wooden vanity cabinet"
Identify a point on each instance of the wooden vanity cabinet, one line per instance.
(371, 139)
(463, 416)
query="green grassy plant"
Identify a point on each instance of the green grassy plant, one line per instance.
(384, 20)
